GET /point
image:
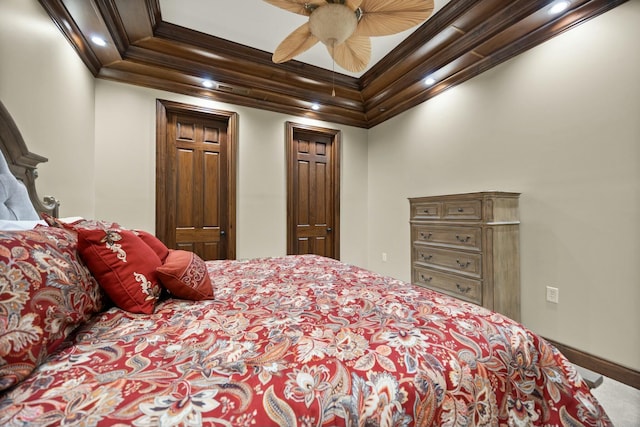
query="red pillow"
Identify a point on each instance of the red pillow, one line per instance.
(45, 293)
(185, 275)
(123, 265)
(154, 243)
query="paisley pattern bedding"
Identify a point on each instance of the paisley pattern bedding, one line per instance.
(304, 341)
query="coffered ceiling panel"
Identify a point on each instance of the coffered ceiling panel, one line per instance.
(222, 51)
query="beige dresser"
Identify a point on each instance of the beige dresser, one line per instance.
(467, 246)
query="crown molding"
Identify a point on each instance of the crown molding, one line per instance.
(462, 40)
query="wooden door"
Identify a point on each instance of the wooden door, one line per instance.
(313, 191)
(194, 166)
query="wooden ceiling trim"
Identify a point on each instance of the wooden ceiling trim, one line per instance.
(438, 35)
(397, 103)
(142, 75)
(462, 40)
(474, 17)
(169, 41)
(127, 21)
(487, 27)
(66, 24)
(396, 96)
(522, 40)
(418, 93)
(231, 75)
(259, 59)
(440, 43)
(209, 65)
(279, 78)
(585, 12)
(519, 30)
(428, 31)
(514, 47)
(90, 23)
(138, 19)
(199, 60)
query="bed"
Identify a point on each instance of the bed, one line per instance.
(283, 341)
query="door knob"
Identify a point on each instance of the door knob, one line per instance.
(223, 233)
(329, 229)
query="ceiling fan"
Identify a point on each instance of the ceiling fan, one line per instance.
(344, 26)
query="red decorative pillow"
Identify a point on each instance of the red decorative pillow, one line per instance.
(185, 275)
(154, 243)
(123, 265)
(45, 293)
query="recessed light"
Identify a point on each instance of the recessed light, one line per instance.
(315, 106)
(559, 7)
(429, 81)
(207, 83)
(99, 41)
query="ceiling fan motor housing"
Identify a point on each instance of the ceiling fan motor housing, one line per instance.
(333, 23)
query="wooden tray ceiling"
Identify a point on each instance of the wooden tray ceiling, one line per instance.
(465, 38)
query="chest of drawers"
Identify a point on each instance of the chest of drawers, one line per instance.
(467, 246)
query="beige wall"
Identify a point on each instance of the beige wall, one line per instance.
(125, 174)
(104, 133)
(560, 124)
(49, 93)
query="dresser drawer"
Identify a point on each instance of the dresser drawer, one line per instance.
(459, 287)
(469, 264)
(464, 209)
(455, 237)
(426, 210)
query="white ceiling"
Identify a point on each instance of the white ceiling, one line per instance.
(260, 25)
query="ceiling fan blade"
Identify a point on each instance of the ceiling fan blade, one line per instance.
(294, 44)
(352, 55)
(385, 17)
(301, 7)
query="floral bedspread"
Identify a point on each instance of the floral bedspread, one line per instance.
(304, 341)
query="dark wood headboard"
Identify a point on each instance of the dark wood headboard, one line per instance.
(22, 162)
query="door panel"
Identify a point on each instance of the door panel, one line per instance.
(195, 182)
(200, 190)
(185, 198)
(313, 191)
(212, 190)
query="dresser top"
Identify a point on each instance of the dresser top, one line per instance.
(464, 196)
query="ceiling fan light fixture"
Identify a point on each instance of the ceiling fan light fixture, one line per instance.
(345, 27)
(333, 23)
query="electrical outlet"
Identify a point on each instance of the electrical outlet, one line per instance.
(553, 294)
(384, 257)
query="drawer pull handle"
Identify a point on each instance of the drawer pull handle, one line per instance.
(463, 239)
(463, 289)
(460, 210)
(425, 279)
(426, 211)
(463, 265)
(426, 236)
(426, 257)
